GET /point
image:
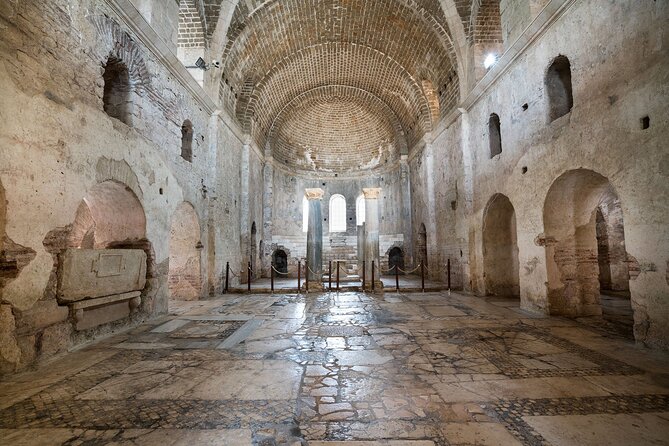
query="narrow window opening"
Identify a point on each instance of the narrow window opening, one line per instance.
(494, 135)
(116, 96)
(360, 210)
(558, 87)
(525, 107)
(187, 141)
(645, 122)
(337, 213)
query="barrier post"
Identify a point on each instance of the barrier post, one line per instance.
(372, 275)
(299, 270)
(227, 275)
(337, 275)
(271, 275)
(330, 275)
(397, 278)
(422, 276)
(363, 275)
(248, 282)
(448, 268)
(306, 276)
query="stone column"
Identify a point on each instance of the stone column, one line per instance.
(315, 238)
(372, 233)
(361, 247)
(407, 229)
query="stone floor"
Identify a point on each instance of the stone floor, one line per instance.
(346, 369)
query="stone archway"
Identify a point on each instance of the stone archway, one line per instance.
(395, 259)
(500, 248)
(253, 251)
(185, 271)
(280, 260)
(582, 204)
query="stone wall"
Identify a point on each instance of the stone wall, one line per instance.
(615, 85)
(52, 58)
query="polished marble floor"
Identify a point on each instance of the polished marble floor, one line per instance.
(414, 369)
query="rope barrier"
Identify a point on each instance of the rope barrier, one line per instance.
(410, 272)
(312, 271)
(279, 272)
(391, 270)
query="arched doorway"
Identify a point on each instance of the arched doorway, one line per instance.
(421, 245)
(280, 260)
(395, 259)
(500, 248)
(585, 247)
(185, 271)
(253, 251)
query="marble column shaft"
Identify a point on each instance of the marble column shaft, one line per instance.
(371, 247)
(315, 235)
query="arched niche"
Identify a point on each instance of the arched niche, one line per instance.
(109, 214)
(500, 248)
(185, 270)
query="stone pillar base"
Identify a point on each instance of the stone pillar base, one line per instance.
(378, 287)
(316, 287)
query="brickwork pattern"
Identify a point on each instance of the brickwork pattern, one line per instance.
(279, 50)
(191, 28)
(336, 128)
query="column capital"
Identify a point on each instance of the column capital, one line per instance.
(313, 194)
(371, 192)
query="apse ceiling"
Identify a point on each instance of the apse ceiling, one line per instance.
(339, 85)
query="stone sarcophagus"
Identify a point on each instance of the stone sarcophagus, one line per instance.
(101, 285)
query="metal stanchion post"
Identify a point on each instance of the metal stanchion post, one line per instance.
(337, 275)
(448, 268)
(330, 275)
(299, 271)
(248, 282)
(397, 278)
(306, 277)
(422, 277)
(271, 275)
(372, 275)
(227, 275)
(363, 275)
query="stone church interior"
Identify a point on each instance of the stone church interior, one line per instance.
(334, 222)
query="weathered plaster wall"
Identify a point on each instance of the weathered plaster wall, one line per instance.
(618, 78)
(57, 143)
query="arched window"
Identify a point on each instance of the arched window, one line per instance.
(360, 210)
(116, 95)
(187, 141)
(337, 213)
(305, 214)
(558, 88)
(494, 135)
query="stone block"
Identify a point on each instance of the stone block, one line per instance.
(43, 314)
(89, 273)
(94, 316)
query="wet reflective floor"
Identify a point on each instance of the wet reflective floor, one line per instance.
(413, 369)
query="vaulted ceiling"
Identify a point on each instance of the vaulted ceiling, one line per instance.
(341, 85)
